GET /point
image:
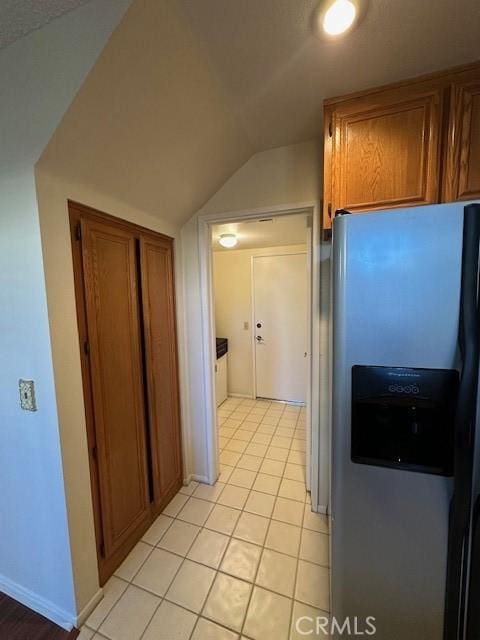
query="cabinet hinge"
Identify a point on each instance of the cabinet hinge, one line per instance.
(94, 452)
(330, 128)
(78, 231)
(329, 209)
(86, 347)
(101, 548)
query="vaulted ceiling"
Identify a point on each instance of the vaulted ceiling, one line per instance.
(187, 90)
(276, 70)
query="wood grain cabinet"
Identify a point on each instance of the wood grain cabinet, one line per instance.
(413, 143)
(115, 366)
(124, 287)
(462, 167)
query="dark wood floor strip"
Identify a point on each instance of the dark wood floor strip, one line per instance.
(17, 622)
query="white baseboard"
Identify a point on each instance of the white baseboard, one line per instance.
(199, 478)
(88, 608)
(35, 602)
(322, 508)
(241, 395)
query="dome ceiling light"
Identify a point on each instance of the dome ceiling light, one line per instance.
(339, 17)
(335, 17)
(228, 240)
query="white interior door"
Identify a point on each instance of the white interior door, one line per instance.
(280, 326)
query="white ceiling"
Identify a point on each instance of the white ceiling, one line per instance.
(280, 231)
(276, 71)
(19, 17)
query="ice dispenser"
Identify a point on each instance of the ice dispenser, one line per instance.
(404, 418)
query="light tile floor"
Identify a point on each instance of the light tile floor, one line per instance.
(243, 559)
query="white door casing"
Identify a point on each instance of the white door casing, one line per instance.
(280, 299)
(201, 392)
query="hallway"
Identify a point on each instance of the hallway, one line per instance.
(245, 558)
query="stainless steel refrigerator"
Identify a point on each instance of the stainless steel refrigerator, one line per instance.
(405, 456)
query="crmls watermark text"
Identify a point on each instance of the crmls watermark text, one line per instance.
(309, 626)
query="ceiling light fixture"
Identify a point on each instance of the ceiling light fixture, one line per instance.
(228, 240)
(339, 17)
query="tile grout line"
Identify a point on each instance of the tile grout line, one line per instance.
(230, 536)
(253, 583)
(224, 553)
(262, 547)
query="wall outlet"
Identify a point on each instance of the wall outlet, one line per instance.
(27, 395)
(246, 326)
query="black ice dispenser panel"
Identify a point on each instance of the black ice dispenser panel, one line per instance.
(404, 418)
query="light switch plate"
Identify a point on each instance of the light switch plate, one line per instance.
(27, 395)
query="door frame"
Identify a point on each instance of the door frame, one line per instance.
(208, 349)
(309, 310)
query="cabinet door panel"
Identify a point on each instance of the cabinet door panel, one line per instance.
(158, 296)
(465, 171)
(387, 157)
(382, 150)
(113, 317)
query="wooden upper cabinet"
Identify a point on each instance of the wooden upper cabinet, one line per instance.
(382, 151)
(462, 167)
(413, 143)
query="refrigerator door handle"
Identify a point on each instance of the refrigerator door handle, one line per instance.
(473, 612)
(460, 508)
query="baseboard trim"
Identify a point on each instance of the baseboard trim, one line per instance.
(322, 509)
(241, 395)
(88, 608)
(198, 478)
(35, 602)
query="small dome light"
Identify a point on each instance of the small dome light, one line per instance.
(339, 17)
(228, 240)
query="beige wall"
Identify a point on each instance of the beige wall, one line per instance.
(53, 194)
(291, 174)
(232, 274)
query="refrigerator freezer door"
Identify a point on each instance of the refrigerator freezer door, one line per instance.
(396, 287)
(473, 610)
(461, 506)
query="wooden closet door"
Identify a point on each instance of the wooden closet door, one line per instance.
(114, 335)
(158, 304)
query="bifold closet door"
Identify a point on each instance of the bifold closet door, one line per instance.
(111, 286)
(158, 306)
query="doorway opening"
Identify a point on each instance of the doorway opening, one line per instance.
(261, 341)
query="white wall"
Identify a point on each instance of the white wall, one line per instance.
(284, 176)
(232, 278)
(274, 177)
(39, 75)
(324, 386)
(35, 565)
